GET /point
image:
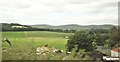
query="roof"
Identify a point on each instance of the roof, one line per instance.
(116, 49)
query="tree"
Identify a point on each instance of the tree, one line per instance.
(101, 39)
(114, 36)
(84, 40)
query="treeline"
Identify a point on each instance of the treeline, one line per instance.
(90, 39)
(9, 27)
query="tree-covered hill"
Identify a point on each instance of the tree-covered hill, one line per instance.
(73, 26)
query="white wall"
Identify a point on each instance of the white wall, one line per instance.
(115, 54)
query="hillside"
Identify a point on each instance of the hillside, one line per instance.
(7, 26)
(41, 26)
(16, 27)
(73, 26)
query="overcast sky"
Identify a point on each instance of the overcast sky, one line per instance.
(59, 12)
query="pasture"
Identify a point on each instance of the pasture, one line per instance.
(24, 44)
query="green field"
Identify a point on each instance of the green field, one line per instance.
(24, 44)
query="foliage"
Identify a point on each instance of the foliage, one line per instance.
(114, 36)
(84, 40)
(8, 27)
(81, 55)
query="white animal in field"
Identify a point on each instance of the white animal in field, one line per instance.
(68, 52)
(58, 51)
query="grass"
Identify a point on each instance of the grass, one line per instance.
(24, 44)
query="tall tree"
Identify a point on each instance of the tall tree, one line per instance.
(114, 36)
(83, 40)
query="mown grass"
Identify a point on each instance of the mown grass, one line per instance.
(24, 44)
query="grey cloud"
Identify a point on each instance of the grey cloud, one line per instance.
(105, 7)
(112, 4)
(108, 4)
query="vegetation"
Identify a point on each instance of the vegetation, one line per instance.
(9, 27)
(89, 40)
(83, 39)
(82, 44)
(24, 44)
(73, 26)
(114, 37)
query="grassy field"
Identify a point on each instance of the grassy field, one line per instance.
(24, 44)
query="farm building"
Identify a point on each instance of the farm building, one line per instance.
(19, 27)
(115, 52)
(108, 54)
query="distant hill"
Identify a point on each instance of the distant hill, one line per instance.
(41, 26)
(16, 27)
(73, 26)
(7, 26)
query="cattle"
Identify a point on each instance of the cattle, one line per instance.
(68, 53)
(58, 51)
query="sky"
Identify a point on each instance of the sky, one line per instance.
(59, 12)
